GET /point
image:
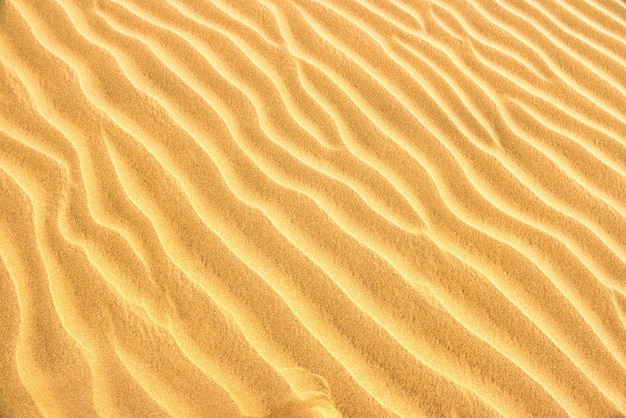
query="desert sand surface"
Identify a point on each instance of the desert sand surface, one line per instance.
(312, 208)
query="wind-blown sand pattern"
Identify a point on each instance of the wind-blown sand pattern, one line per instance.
(313, 208)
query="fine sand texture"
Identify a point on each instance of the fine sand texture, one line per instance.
(312, 208)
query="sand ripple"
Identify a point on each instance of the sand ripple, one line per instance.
(312, 208)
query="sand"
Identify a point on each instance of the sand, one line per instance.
(312, 208)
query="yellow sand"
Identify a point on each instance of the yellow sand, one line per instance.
(312, 208)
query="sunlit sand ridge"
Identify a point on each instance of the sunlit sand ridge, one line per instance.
(306, 208)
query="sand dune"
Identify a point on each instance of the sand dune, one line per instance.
(313, 208)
